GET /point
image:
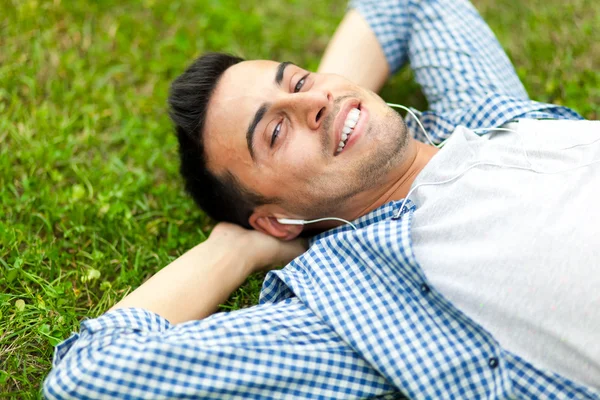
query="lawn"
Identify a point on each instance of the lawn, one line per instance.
(91, 204)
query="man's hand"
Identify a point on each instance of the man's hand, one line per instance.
(261, 251)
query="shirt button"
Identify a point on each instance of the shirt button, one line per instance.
(493, 362)
(425, 288)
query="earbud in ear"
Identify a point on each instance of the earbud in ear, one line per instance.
(288, 221)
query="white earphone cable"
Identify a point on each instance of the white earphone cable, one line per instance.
(418, 122)
(331, 218)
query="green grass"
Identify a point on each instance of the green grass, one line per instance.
(91, 204)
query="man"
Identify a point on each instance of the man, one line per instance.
(466, 272)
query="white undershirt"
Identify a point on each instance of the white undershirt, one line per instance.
(519, 251)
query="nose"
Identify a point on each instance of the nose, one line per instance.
(310, 108)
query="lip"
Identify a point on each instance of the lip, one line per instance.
(358, 129)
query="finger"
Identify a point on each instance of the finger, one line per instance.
(292, 249)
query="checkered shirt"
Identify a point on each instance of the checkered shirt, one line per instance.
(354, 317)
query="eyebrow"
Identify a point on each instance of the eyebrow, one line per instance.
(280, 70)
(262, 110)
(250, 134)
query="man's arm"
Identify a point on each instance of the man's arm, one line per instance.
(355, 53)
(280, 350)
(462, 69)
(271, 350)
(454, 54)
(193, 286)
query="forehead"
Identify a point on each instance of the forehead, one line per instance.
(242, 89)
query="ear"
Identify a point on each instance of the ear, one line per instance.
(268, 224)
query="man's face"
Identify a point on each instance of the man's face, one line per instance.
(278, 128)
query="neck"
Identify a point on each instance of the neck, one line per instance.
(398, 186)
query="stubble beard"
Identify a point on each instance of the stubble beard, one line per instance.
(366, 173)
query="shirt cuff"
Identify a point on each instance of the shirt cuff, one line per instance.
(131, 319)
(122, 320)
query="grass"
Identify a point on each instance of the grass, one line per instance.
(91, 204)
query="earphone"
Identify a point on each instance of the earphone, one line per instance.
(287, 221)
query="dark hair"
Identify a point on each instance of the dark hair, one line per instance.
(223, 197)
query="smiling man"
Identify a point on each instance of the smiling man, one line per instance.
(464, 272)
(299, 144)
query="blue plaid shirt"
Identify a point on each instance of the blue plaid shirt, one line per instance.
(353, 317)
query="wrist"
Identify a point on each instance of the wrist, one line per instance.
(235, 248)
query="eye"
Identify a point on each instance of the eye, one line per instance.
(275, 133)
(300, 84)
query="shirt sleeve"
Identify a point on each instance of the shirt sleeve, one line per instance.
(268, 351)
(465, 74)
(455, 56)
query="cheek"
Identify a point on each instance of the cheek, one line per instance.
(294, 169)
(302, 157)
(294, 172)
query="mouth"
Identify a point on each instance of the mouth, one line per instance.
(346, 126)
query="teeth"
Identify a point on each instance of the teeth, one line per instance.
(349, 124)
(352, 118)
(342, 143)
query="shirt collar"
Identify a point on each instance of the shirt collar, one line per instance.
(386, 211)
